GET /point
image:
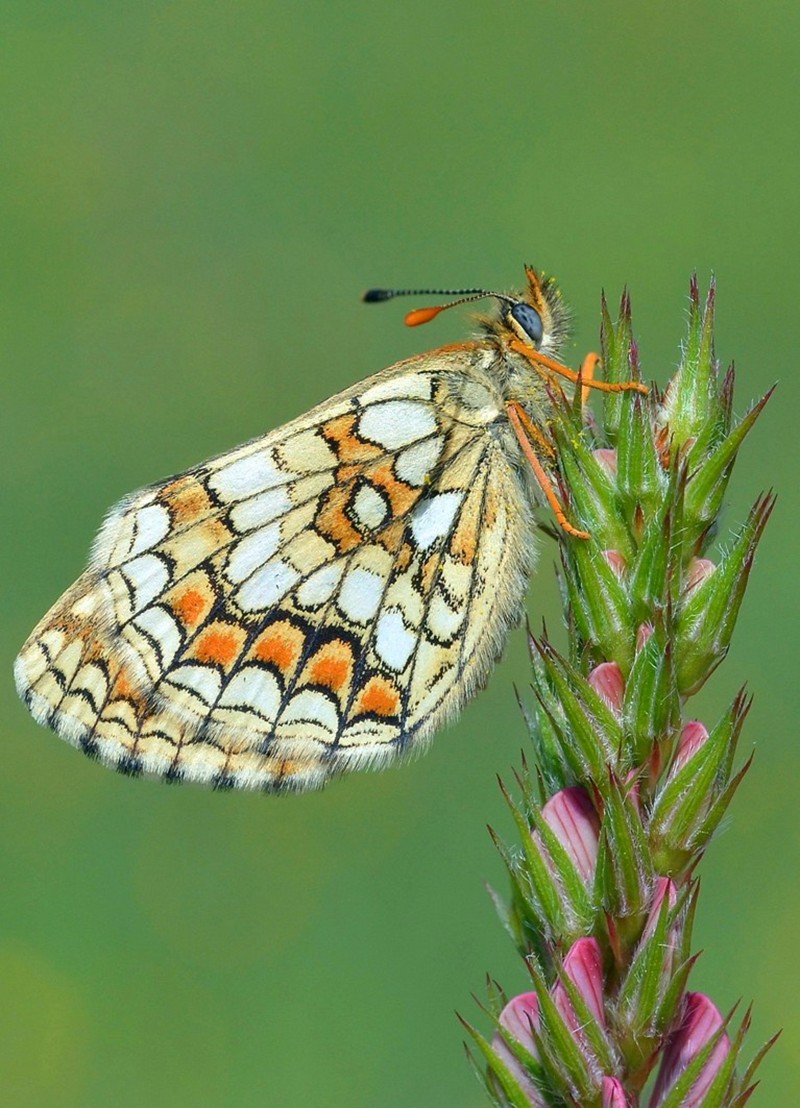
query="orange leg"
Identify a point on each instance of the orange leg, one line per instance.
(534, 432)
(518, 420)
(541, 362)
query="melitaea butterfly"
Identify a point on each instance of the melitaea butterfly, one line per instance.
(325, 597)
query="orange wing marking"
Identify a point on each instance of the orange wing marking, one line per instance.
(331, 666)
(281, 646)
(379, 697)
(189, 606)
(218, 646)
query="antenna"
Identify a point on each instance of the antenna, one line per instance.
(425, 315)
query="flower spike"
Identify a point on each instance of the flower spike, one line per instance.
(630, 786)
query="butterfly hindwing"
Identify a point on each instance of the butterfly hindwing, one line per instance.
(319, 599)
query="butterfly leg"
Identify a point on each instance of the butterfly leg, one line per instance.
(525, 430)
(533, 432)
(545, 365)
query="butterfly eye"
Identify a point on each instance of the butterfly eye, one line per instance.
(529, 320)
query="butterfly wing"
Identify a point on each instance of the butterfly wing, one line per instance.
(317, 600)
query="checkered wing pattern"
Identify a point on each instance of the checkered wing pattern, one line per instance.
(317, 600)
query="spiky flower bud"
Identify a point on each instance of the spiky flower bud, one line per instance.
(514, 1046)
(614, 1093)
(693, 795)
(553, 885)
(607, 680)
(694, 735)
(693, 1057)
(629, 787)
(583, 966)
(571, 817)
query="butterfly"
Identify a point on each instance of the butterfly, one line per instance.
(326, 597)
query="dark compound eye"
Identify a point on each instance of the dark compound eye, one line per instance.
(529, 320)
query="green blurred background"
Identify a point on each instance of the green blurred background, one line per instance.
(194, 195)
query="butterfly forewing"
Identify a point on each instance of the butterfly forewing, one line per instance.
(320, 599)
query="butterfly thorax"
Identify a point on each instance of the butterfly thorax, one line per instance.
(536, 318)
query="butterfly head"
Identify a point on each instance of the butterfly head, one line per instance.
(536, 316)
